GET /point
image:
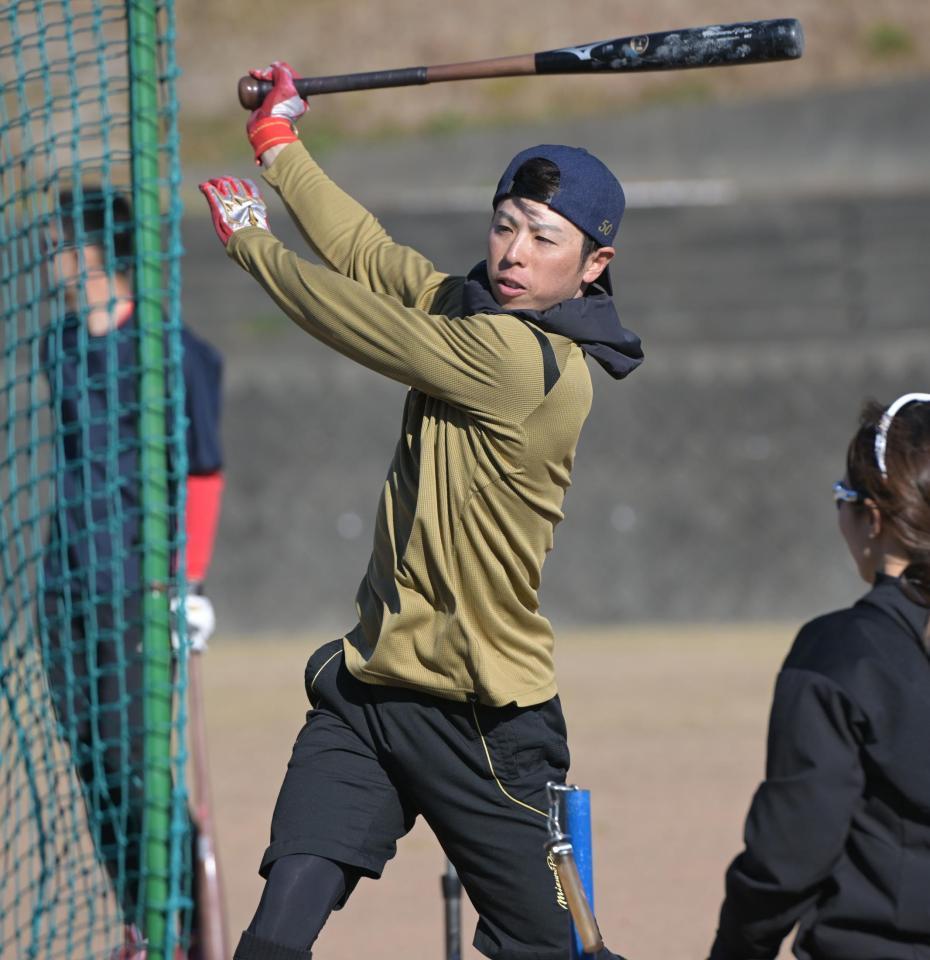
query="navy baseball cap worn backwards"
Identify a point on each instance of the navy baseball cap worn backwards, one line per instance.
(588, 195)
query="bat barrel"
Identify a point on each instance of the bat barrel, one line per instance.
(757, 41)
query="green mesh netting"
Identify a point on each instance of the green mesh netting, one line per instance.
(94, 832)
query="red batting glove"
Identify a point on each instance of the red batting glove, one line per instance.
(272, 124)
(234, 204)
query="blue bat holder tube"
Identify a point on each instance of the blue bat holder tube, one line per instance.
(578, 827)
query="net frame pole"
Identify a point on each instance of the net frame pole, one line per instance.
(144, 136)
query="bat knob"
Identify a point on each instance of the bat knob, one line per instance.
(252, 92)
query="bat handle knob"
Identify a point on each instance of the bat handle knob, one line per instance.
(252, 92)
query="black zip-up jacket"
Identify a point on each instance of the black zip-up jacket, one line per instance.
(838, 834)
(94, 547)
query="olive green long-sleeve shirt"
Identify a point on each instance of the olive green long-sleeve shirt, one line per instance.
(449, 603)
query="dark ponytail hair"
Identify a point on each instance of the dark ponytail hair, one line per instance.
(902, 496)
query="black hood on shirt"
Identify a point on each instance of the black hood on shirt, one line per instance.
(591, 321)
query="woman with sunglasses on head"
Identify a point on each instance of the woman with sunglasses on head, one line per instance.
(838, 834)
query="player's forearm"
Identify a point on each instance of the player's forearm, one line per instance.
(756, 916)
(484, 365)
(204, 497)
(799, 820)
(343, 233)
(366, 327)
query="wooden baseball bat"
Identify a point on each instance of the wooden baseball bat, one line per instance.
(719, 45)
(583, 916)
(212, 909)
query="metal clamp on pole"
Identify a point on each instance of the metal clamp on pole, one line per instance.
(559, 847)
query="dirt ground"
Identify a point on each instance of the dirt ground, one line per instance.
(667, 729)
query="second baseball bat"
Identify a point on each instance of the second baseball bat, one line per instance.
(756, 41)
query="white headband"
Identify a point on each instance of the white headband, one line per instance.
(881, 433)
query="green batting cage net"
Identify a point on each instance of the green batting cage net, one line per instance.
(94, 830)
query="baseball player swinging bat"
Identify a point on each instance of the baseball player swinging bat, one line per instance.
(757, 41)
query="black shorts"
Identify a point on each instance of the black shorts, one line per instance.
(370, 759)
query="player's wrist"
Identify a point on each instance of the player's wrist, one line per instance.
(267, 133)
(270, 155)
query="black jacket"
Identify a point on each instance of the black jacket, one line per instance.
(838, 834)
(95, 535)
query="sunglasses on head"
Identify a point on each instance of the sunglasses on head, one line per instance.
(844, 494)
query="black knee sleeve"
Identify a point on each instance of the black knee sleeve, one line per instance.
(300, 893)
